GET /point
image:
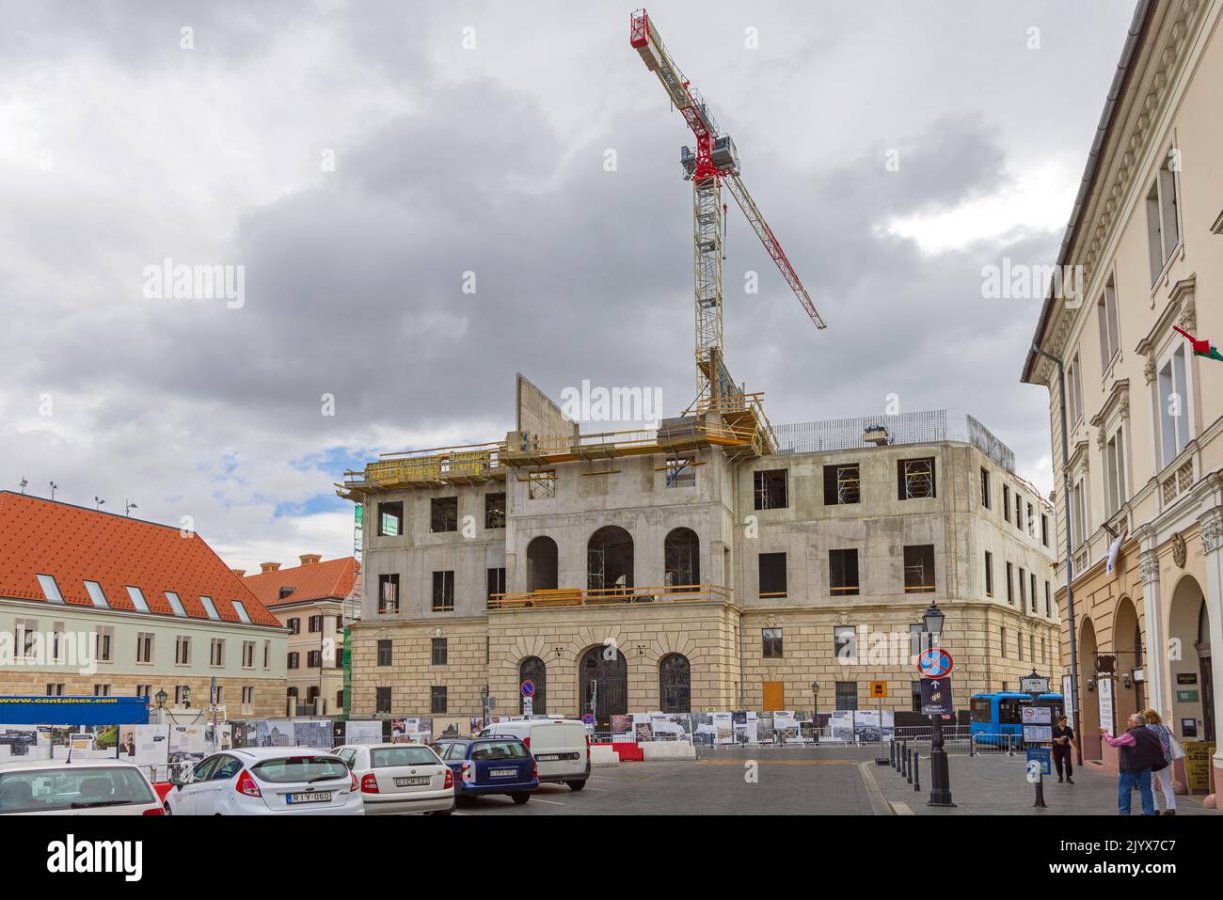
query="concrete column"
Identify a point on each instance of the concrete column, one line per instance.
(1155, 638)
(1210, 528)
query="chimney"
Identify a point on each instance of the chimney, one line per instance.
(309, 559)
(268, 567)
(241, 573)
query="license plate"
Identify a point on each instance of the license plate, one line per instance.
(411, 782)
(503, 773)
(554, 757)
(312, 797)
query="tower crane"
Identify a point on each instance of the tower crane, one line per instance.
(713, 161)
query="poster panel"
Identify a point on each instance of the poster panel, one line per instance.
(363, 732)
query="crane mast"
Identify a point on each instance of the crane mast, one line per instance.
(713, 161)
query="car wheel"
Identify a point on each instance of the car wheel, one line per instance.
(521, 798)
(576, 785)
(166, 808)
(442, 812)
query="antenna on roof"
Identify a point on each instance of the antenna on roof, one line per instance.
(98, 502)
(54, 486)
(129, 506)
(24, 484)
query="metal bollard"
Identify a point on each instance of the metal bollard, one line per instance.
(904, 759)
(909, 768)
(916, 772)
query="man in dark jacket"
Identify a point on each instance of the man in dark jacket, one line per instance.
(1140, 751)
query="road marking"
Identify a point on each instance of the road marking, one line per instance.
(553, 802)
(600, 790)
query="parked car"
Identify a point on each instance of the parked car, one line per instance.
(490, 765)
(109, 787)
(400, 778)
(561, 747)
(260, 781)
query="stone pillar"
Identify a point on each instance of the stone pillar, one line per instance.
(1155, 639)
(1210, 529)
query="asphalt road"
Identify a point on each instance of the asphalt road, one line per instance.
(786, 782)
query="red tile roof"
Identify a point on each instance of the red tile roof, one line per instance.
(73, 544)
(312, 581)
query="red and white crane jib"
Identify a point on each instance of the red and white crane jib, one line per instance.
(645, 39)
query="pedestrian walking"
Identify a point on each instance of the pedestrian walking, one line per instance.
(1140, 755)
(1063, 743)
(1162, 780)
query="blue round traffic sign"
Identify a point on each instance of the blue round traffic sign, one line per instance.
(528, 688)
(935, 663)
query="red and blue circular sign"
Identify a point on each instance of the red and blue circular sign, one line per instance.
(935, 663)
(528, 688)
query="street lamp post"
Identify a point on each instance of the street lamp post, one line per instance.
(940, 775)
(815, 709)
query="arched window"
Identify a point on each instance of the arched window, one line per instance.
(681, 558)
(609, 556)
(675, 683)
(533, 669)
(541, 564)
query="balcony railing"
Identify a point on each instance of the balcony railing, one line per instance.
(567, 597)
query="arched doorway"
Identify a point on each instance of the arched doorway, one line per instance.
(1189, 663)
(609, 559)
(603, 682)
(681, 558)
(541, 564)
(1127, 648)
(534, 670)
(1089, 715)
(675, 683)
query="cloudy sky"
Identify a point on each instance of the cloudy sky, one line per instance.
(357, 159)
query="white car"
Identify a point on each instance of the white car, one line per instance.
(108, 787)
(400, 778)
(560, 747)
(262, 781)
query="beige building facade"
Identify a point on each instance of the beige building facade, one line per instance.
(1143, 413)
(673, 573)
(314, 601)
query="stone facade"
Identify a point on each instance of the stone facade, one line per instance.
(581, 587)
(1144, 426)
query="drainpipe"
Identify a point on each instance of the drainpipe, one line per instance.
(1074, 644)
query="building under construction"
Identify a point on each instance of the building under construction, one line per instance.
(713, 563)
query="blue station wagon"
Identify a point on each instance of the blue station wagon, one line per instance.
(490, 765)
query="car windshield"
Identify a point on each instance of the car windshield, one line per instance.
(294, 769)
(493, 750)
(383, 757)
(77, 788)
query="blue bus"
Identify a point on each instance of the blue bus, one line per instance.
(998, 718)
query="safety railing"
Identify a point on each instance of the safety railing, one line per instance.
(566, 597)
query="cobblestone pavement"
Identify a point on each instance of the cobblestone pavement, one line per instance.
(787, 782)
(996, 784)
(830, 780)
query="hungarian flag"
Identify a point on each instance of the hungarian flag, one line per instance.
(1202, 348)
